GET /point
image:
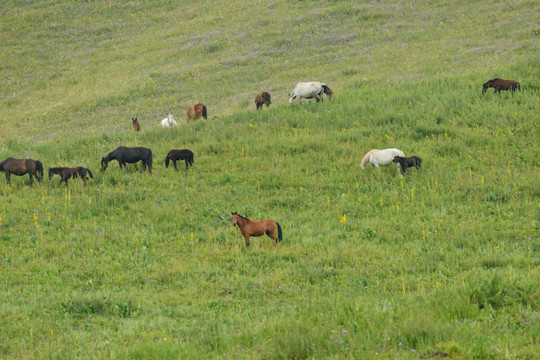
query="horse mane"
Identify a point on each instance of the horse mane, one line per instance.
(243, 217)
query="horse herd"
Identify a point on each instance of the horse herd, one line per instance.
(125, 155)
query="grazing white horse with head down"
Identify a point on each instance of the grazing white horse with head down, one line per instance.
(310, 90)
(381, 158)
(168, 121)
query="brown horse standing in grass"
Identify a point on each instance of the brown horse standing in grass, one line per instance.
(500, 84)
(196, 111)
(257, 228)
(67, 173)
(262, 99)
(21, 167)
(136, 125)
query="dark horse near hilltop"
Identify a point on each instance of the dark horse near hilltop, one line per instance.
(130, 155)
(67, 173)
(176, 155)
(262, 99)
(500, 84)
(21, 167)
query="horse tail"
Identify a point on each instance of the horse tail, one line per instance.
(365, 160)
(518, 86)
(279, 232)
(90, 173)
(39, 169)
(191, 158)
(204, 114)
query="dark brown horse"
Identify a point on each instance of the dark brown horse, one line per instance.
(130, 155)
(262, 99)
(500, 84)
(21, 167)
(67, 173)
(195, 112)
(176, 155)
(136, 125)
(407, 162)
(257, 228)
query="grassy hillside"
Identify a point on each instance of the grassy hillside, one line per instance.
(443, 261)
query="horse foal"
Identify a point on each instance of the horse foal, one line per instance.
(407, 162)
(176, 155)
(136, 125)
(262, 99)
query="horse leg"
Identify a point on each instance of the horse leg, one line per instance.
(8, 178)
(246, 238)
(272, 235)
(31, 179)
(174, 163)
(187, 163)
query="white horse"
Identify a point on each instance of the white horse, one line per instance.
(310, 90)
(381, 158)
(168, 121)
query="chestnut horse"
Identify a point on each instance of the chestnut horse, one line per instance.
(136, 125)
(196, 111)
(500, 84)
(67, 173)
(262, 99)
(175, 155)
(257, 228)
(21, 167)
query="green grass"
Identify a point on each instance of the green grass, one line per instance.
(372, 265)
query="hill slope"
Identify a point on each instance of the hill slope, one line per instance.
(441, 261)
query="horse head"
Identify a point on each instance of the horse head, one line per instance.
(104, 163)
(51, 173)
(234, 218)
(291, 98)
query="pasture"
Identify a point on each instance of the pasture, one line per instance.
(442, 261)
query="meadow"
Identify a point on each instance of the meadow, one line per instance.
(440, 262)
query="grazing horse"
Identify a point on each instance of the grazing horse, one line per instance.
(196, 111)
(176, 155)
(310, 90)
(21, 167)
(407, 162)
(136, 125)
(168, 121)
(381, 158)
(262, 99)
(500, 84)
(67, 173)
(257, 228)
(129, 155)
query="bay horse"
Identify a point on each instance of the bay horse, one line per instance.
(21, 167)
(262, 99)
(257, 228)
(130, 155)
(500, 84)
(407, 162)
(175, 155)
(67, 173)
(310, 90)
(384, 157)
(196, 111)
(136, 125)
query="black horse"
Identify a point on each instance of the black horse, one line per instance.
(21, 167)
(407, 162)
(129, 155)
(176, 155)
